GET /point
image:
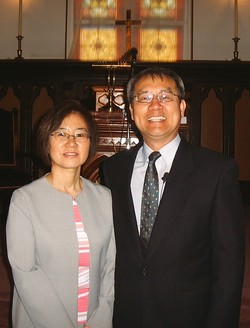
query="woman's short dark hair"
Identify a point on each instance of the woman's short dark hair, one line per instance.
(52, 120)
(155, 72)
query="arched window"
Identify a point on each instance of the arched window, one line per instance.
(158, 29)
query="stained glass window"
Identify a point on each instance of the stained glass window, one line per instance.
(98, 44)
(98, 9)
(163, 9)
(160, 36)
(98, 33)
(162, 30)
(158, 45)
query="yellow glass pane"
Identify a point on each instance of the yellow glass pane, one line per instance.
(159, 8)
(158, 45)
(98, 44)
(99, 8)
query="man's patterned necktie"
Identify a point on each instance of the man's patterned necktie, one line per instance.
(149, 205)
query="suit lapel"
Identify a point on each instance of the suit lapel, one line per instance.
(175, 191)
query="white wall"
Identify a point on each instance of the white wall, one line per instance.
(44, 29)
(214, 29)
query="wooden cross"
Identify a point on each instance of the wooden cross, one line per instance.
(128, 22)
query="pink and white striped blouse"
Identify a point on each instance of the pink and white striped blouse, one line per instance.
(83, 269)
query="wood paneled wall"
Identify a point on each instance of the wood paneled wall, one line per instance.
(217, 93)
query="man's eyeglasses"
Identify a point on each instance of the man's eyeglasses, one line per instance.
(63, 136)
(147, 97)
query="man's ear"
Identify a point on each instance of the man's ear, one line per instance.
(131, 112)
(183, 106)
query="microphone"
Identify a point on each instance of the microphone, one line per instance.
(133, 52)
(165, 177)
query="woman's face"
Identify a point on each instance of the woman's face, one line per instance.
(70, 143)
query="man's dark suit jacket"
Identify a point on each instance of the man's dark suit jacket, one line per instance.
(192, 273)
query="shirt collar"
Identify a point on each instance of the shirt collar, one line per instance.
(167, 152)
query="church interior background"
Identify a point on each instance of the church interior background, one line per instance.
(105, 40)
(88, 49)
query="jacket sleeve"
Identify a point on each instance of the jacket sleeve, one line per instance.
(103, 174)
(37, 295)
(227, 239)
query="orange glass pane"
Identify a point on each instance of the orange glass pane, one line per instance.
(98, 44)
(158, 45)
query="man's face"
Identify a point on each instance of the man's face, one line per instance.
(158, 121)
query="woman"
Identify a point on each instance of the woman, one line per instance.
(60, 232)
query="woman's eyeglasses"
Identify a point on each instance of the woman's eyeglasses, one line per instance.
(63, 136)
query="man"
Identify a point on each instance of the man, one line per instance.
(189, 272)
